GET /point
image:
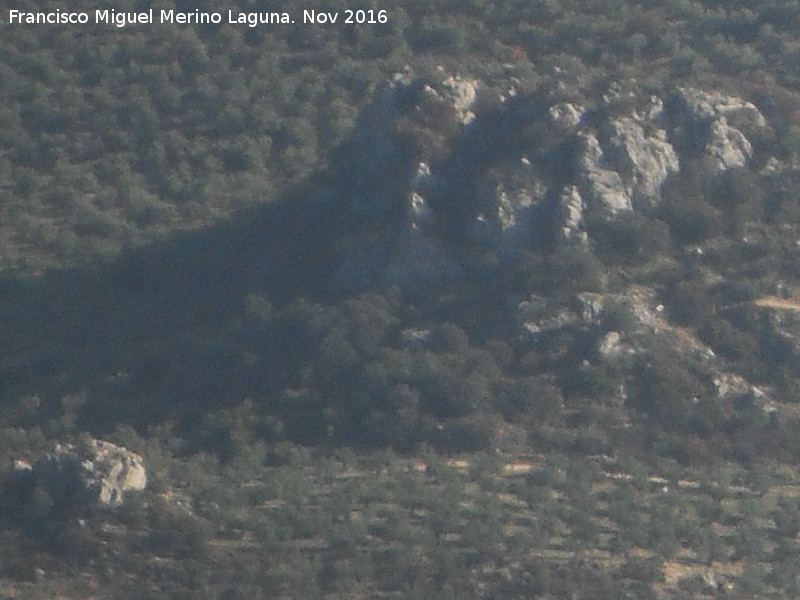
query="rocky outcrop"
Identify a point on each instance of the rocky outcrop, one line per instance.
(461, 93)
(735, 389)
(511, 203)
(632, 328)
(714, 125)
(430, 168)
(570, 215)
(700, 106)
(91, 472)
(643, 160)
(601, 183)
(567, 115)
(627, 169)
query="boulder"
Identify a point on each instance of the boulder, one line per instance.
(90, 472)
(567, 115)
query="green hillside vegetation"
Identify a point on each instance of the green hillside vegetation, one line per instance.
(117, 137)
(384, 526)
(170, 220)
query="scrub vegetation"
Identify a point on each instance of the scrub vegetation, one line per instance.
(165, 264)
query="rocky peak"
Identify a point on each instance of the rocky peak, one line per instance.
(522, 174)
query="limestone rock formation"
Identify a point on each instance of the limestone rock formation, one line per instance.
(91, 472)
(567, 115)
(602, 184)
(430, 170)
(714, 125)
(643, 160)
(570, 215)
(727, 146)
(462, 94)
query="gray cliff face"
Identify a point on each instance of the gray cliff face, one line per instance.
(601, 184)
(714, 125)
(430, 167)
(626, 164)
(643, 160)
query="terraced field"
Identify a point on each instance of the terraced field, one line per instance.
(376, 526)
(483, 526)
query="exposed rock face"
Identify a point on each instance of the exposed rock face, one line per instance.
(430, 168)
(610, 344)
(571, 215)
(627, 170)
(644, 161)
(510, 204)
(462, 94)
(567, 115)
(702, 105)
(602, 184)
(727, 146)
(714, 125)
(444, 189)
(93, 472)
(409, 124)
(736, 389)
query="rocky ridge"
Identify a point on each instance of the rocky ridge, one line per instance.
(458, 178)
(432, 163)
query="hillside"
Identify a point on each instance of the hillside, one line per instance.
(490, 300)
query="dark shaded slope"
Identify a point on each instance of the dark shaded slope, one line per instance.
(155, 320)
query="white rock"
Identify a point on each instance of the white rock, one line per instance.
(571, 208)
(603, 185)
(727, 145)
(93, 471)
(610, 344)
(462, 94)
(644, 161)
(566, 114)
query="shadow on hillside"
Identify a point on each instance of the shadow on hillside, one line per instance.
(150, 329)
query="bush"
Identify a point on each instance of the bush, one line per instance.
(629, 237)
(533, 399)
(562, 274)
(465, 435)
(176, 531)
(666, 389)
(686, 207)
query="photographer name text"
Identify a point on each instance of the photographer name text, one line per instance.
(196, 17)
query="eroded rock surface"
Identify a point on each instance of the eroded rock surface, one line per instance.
(431, 168)
(90, 472)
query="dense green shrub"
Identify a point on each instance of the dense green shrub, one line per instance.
(562, 274)
(176, 531)
(629, 237)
